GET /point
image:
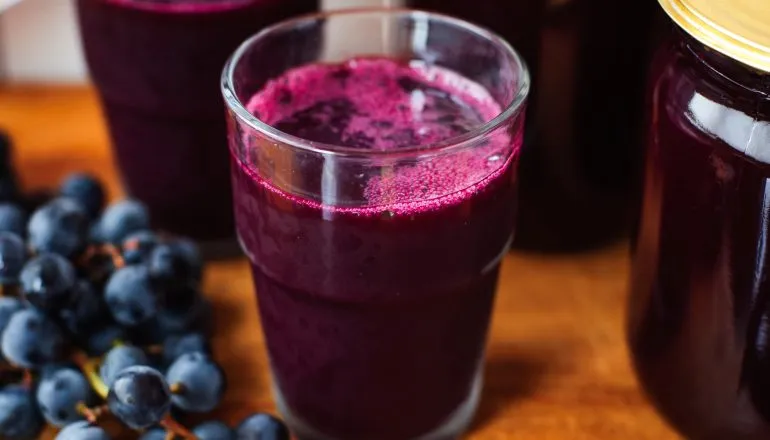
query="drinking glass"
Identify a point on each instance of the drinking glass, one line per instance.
(375, 268)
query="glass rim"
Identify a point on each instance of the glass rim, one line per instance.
(450, 144)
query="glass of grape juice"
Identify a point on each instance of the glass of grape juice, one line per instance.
(374, 181)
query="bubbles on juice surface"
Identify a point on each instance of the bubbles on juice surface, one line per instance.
(380, 104)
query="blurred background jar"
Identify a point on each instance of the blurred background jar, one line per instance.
(579, 175)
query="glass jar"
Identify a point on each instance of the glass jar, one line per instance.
(699, 312)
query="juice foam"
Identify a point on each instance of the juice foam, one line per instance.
(382, 105)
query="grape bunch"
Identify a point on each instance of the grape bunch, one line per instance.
(100, 316)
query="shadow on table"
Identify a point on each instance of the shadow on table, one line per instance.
(230, 317)
(508, 376)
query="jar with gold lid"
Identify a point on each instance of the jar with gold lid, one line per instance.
(699, 310)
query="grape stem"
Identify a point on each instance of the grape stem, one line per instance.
(27, 380)
(114, 253)
(92, 414)
(154, 349)
(175, 428)
(176, 388)
(104, 249)
(89, 367)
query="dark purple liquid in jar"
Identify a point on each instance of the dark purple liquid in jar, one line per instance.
(376, 315)
(700, 304)
(157, 66)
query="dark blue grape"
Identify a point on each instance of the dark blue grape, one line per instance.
(131, 296)
(201, 382)
(13, 255)
(48, 282)
(13, 219)
(139, 397)
(121, 219)
(60, 226)
(32, 340)
(19, 417)
(118, 359)
(82, 431)
(86, 309)
(95, 234)
(8, 306)
(190, 252)
(154, 434)
(86, 190)
(48, 370)
(58, 395)
(100, 341)
(147, 333)
(261, 426)
(175, 346)
(183, 304)
(171, 323)
(138, 246)
(196, 318)
(167, 322)
(171, 268)
(213, 431)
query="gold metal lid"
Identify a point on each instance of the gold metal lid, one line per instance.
(739, 29)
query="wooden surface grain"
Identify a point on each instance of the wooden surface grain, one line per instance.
(557, 366)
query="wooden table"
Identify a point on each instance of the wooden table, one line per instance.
(557, 366)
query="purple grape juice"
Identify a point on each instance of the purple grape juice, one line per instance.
(157, 65)
(376, 314)
(700, 291)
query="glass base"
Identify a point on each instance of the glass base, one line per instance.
(455, 425)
